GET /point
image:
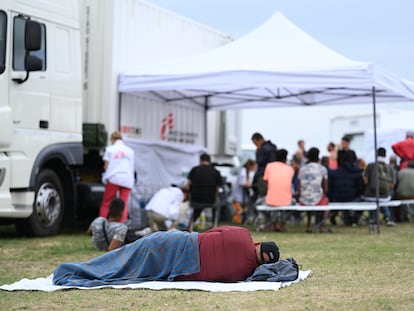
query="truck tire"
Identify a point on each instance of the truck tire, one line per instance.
(48, 207)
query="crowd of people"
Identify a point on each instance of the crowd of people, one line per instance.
(186, 255)
(305, 179)
(339, 176)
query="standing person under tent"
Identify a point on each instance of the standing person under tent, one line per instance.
(119, 174)
(405, 149)
(265, 153)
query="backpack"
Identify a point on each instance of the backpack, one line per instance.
(384, 179)
(284, 270)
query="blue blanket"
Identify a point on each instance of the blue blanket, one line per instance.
(157, 256)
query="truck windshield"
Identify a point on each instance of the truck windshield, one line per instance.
(3, 25)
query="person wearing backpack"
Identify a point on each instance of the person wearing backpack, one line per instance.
(385, 184)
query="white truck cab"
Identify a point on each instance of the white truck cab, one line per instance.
(60, 62)
(40, 113)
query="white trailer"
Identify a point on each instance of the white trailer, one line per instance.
(120, 36)
(59, 63)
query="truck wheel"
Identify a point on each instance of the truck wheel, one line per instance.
(48, 207)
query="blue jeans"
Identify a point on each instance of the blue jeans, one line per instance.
(384, 209)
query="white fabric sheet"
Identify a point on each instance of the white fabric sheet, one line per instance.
(159, 164)
(46, 285)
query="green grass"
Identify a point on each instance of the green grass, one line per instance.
(352, 270)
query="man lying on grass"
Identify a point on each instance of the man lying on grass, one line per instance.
(225, 254)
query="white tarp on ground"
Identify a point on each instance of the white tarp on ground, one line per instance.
(277, 64)
(46, 285)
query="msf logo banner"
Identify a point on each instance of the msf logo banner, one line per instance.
(171, 134)
(167, 126)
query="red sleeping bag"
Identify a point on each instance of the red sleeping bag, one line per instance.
(227, 254)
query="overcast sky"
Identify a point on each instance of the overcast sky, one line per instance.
(378, 31)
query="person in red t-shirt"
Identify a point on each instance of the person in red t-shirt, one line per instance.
(222, 254)
(228, 254)
(405, 149)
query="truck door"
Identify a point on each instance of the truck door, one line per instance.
(5, 111)
(5, 119)
(29, 96)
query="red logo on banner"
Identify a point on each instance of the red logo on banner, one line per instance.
(166, 126)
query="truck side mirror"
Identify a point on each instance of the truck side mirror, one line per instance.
(33, 36)
(32, 63)
(32, 42)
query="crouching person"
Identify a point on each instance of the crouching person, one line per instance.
(109, 234)
(164, 207)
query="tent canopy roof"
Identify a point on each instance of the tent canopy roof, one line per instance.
(275, 65)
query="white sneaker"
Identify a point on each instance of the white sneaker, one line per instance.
(143, 232)
(390, 223)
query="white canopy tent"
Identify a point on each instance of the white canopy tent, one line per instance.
(276, 65)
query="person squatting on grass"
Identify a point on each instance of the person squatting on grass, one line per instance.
(164, 208)
(225, 254)
(109, 234)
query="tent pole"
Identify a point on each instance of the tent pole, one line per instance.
(205, 120)
(119, 110)
(377, 218)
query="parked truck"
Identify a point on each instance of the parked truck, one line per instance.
(59, 64)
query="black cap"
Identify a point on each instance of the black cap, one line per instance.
(271, 249)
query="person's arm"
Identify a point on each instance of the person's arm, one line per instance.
(297, 193)
(114, 244)
(390, 177)
(249, 178)
(89, 230)
(265, 174)
(325, 185)
(394, 148)
(271, 157)
(367, 173)
(243, 178)
(187, 186)
(360, 185)
(219, 181)
(331, 178)
(399, 149)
